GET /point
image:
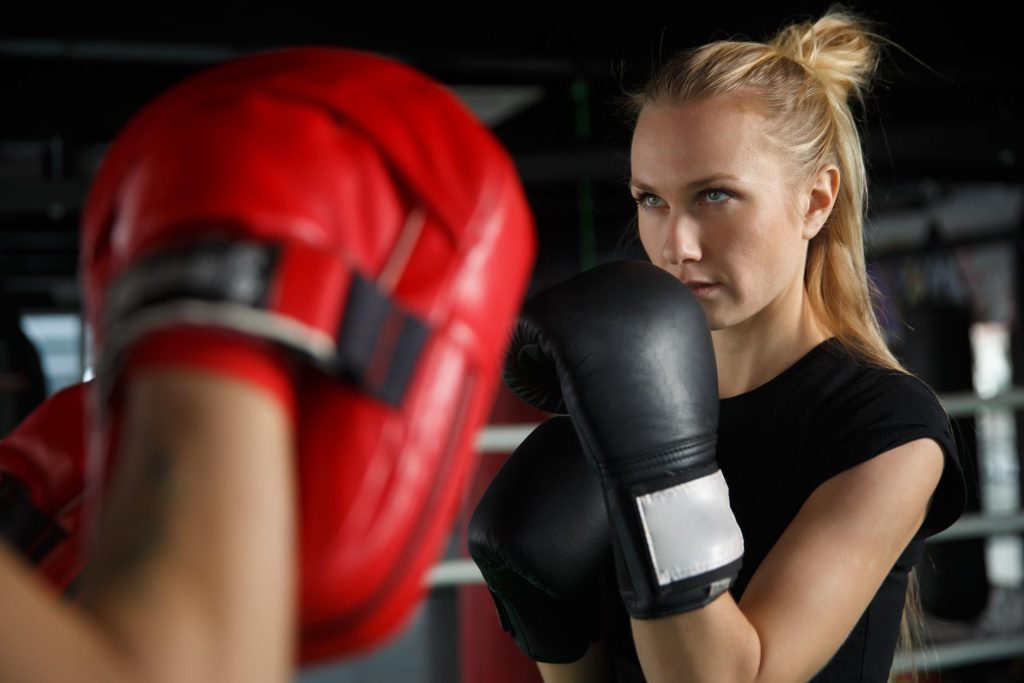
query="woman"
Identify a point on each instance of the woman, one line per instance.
(749, 180)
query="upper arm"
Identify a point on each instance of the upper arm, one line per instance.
(816, 582)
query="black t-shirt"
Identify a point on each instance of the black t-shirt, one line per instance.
(776, 444)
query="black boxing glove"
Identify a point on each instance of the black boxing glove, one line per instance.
(540, 538)
(625, 349)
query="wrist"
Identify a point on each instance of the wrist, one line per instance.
(219, 353)
(677, 547)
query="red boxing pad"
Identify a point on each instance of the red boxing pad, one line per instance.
(42, 475)
(351, 211)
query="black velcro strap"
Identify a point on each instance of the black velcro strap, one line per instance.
(379, 343)
(376, 347)
(229, 271)
(23, 525)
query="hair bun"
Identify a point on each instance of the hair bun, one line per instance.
(840, 48)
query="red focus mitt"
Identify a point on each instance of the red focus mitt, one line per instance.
(343, 212)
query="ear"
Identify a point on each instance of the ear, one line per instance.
(821, 197)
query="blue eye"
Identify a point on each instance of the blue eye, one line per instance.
(716, 195)
(643, 200)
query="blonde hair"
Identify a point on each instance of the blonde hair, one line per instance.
(803, 80)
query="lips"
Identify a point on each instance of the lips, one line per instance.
(700, 287)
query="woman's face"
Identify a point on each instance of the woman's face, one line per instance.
(718, 208)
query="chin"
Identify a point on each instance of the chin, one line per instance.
(714, 318)
(719, 319)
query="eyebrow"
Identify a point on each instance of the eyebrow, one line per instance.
(714, 178)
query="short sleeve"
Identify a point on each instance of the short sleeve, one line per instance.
(880, 411)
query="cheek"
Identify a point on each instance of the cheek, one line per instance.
(759, 257)
(773, 255)
(749, 267)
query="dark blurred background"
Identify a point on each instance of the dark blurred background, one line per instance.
(942, 131)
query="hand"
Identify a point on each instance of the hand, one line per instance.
(625, 350)
(540, 538)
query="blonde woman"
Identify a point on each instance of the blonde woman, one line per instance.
(749, 180)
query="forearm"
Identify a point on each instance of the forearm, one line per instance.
(714, 643)
(192, 576)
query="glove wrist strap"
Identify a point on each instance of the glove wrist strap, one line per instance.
(677, 548)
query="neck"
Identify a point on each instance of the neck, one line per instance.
(762, 347)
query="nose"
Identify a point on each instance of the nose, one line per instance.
(682, 241)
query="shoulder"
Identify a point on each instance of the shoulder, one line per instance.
(834, 384)
(886, 423)
(855, 385)
(857, 401)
